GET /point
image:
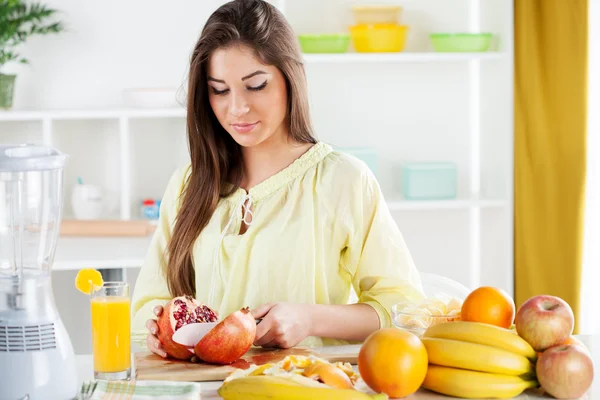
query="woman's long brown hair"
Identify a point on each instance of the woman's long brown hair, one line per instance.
(216, 167)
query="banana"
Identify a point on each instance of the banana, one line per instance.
(473, 384)
(477, 332)
(292, 388)
(476, 357)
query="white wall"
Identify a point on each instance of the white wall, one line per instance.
(408, 112)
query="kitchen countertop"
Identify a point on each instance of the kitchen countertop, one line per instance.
(209, 389)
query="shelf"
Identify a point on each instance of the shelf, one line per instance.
(74, 253)
(106, 228)
(401, 205)
(180, 112)
(399, 57)
(39, 115)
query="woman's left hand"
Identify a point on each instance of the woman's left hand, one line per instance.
(283, 324)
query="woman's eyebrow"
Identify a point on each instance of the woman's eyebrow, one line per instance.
(210, 78)
(259, 72)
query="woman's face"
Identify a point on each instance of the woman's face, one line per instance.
(248, 98)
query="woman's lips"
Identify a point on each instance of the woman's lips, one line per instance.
(244, 127)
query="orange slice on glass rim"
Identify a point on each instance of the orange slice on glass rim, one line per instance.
(87, 278)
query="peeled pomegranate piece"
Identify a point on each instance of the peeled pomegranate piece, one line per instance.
(178, 312)
(229, 339)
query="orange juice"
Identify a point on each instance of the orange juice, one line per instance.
(111, 333)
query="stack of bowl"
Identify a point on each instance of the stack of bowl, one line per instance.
(324, 42)
(377, 29)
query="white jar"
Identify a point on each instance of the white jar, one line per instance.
(87, 202)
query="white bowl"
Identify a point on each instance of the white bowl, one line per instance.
(417, 317)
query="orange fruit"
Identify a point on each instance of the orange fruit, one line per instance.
(87, 278)
(393, 361)
(489, 305)
(330, 375)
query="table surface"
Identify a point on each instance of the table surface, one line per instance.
(209, 389)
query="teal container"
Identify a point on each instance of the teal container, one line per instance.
(429, 181)
(365, 154)
(461, 42)
(325, 43)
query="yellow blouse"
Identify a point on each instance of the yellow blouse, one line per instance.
(319, 228)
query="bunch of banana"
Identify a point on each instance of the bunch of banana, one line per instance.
(476, 360)
(292, 387)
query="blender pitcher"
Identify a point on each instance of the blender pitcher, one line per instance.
(36, 355)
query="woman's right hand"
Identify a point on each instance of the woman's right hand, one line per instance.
(152, 341)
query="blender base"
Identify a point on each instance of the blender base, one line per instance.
(40, 374)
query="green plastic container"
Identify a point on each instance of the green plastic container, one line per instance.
(7, 89)
(461, 42)
(325, 43)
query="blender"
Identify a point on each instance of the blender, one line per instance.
(36, 355)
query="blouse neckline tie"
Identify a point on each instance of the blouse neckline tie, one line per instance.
(245, 204)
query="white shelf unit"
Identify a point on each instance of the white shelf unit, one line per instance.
(47, 118)
(473, 202)
(399, 57)
(467, 239)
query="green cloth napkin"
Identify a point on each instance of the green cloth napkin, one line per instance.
(139, 390)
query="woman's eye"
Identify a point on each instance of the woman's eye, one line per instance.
(257, 88)
(218, 92)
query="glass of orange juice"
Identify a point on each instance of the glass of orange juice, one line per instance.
(111, 327)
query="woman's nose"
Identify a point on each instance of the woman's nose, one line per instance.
(239, 106)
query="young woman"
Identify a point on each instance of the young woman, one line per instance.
(266, 216)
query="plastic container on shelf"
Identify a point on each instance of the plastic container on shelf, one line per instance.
(376, 14)
(324, 43)
(366, 154)
(378, 38)
(429, 180)
(150, 209)
(461, 42)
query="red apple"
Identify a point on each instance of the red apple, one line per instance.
(565, 372)
(545, 321)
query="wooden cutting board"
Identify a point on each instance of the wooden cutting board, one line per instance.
(149, 366)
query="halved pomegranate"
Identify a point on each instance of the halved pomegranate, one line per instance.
(178, 312)
(229, 340)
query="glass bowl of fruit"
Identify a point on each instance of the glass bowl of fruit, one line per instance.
(443, 301)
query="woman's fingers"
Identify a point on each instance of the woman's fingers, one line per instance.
(265, 332)
(158, 310)
(262, 310)
(152, 326)
(152, 341)
(154, 346)
(273, 343)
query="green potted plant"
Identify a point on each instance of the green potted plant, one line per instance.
(19, 20)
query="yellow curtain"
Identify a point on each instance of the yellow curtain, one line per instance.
(550, 147)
